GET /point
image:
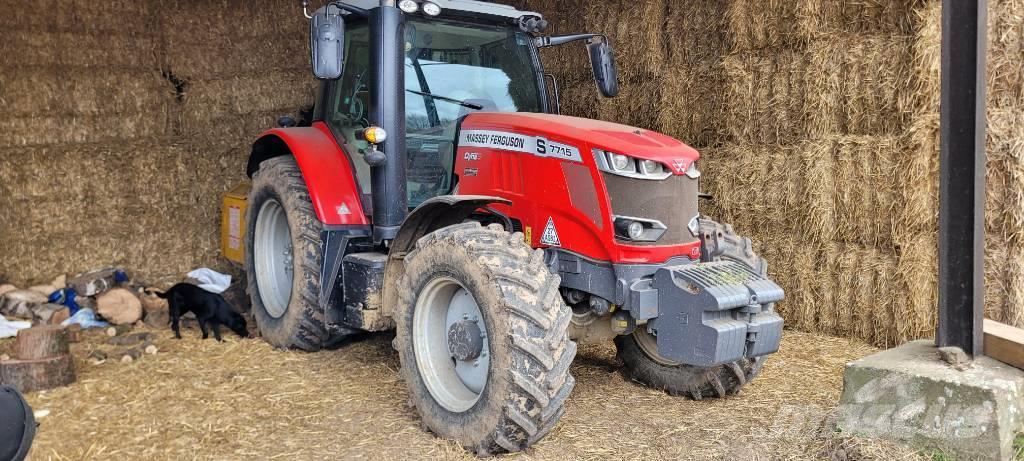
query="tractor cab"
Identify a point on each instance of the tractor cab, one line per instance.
(452, 68)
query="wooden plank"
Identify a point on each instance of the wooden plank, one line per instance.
(1004, 343)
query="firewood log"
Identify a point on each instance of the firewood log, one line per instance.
(131, 339)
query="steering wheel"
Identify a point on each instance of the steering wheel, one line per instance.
(356, 106)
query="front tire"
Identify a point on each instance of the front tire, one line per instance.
(283, 257)
(639, 351)
(507, 392)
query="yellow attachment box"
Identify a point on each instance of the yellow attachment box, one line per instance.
(232, 223)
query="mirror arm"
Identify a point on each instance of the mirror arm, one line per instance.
(543, 42)
(351, 9)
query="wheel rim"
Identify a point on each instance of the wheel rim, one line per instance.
(648, 343)
(272, 251)
(455, 381)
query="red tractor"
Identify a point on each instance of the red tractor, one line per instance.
(437, 192)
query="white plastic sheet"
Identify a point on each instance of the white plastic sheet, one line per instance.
(211, 280)
(9, 328)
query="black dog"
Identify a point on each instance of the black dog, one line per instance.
(210, 309)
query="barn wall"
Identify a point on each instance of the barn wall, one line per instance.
(818, 122)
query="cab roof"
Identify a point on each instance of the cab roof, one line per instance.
(463, 6)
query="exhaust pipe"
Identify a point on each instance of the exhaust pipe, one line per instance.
(388, 181)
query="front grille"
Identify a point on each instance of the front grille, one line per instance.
(673, 201)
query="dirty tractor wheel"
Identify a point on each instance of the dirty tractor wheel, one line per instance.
(639, 351)
(483, 338)
(283, 257)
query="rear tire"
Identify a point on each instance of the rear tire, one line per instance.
(524, 325)
(284, 302)
(639, 352)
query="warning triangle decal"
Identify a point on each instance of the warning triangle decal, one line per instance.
(550, 235)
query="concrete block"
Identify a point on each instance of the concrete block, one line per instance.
(908, 394)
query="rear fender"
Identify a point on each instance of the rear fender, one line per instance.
(434, 214)
(325, 167)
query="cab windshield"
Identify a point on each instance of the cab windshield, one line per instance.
(453, 69)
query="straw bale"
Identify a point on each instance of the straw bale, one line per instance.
(927, 58)
(765, 96)
(997, 277)
(1006, 53)
(819, 189)
(692, 106)
(219, 20)
(568, 62)
(863, 293)
(866, 200)
(31, 90)
(856, 84)
(917, 272)
(121, 17)
(191, 59)
(638, 31)
(696, 33)
(918, 178)
(636, 105)
(22, 47)
(827, 300)
(579, 98)
(1013, 312)
(759, 24)
(249, 93)
(753, 189)
(1006, 152)
(888, 300)
(816, 18)
(161, 219)
(63, 129)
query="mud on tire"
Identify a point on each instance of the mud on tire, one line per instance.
(301, 326)
(526, 322)
(719, 242)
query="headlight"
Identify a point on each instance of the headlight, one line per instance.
(624, 165)
(409, 6)
(638, 229)
(432, 9)
(621, 163)
(650, 167)
(635, 230)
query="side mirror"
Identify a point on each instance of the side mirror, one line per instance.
(327, 42)
(602, 58)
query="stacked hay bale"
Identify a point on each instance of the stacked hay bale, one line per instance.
(816, 110)
(74, 71)
(239, 66)
(124, 122)
(77, 83)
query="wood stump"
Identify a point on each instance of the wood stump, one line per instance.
(156, 313)
(42, 360)
(119, 307)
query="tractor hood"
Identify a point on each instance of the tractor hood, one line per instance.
(586, 134)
